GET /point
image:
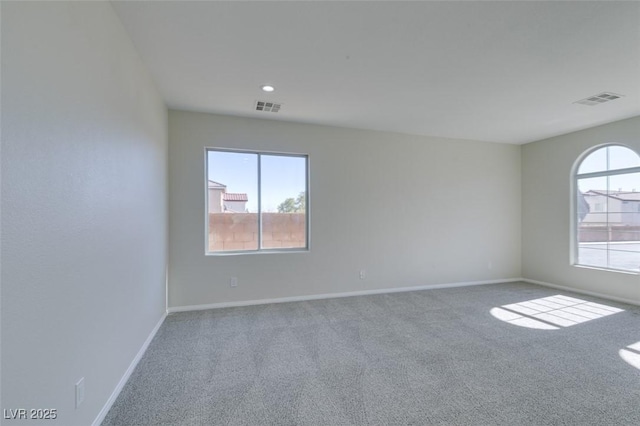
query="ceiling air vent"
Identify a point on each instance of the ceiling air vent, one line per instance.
(268, 106)
(598, 99)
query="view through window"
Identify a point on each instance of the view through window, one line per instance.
(256, 201)
(608, 209)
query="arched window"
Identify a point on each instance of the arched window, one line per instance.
(607, 209)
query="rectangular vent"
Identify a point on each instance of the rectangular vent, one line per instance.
(268, 106)
(598, 99)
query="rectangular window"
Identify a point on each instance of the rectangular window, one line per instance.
(256, 201)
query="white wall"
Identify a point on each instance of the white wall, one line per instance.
(84, 174)
(546, 177)
(215, 200)
(235, 206)
(464, 213)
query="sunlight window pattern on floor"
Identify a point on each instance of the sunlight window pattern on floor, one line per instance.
(552, 313)
(631, 355)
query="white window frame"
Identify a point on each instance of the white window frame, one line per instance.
(260, 249)
(574, 252)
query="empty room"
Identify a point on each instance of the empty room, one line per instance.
(320, 213)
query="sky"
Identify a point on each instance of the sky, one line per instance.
(610, 158)
(617, 157)
(282, 176)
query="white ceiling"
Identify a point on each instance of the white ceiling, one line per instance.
(492, 71)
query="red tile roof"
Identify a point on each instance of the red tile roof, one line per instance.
(228, 196)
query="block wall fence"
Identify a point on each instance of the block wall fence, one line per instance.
(239, 231)
(612, 232)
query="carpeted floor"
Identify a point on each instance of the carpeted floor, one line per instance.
(417, 358)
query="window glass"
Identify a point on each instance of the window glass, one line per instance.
(594, 162)
(232, 201)
(284, 201)
(256, 201)
(608, 210)
(611, 157)
(621, 157)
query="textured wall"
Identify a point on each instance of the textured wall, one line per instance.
(451, 211)
(547, 167)
(83, 206)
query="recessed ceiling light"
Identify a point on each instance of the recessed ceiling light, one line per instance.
(268, 88)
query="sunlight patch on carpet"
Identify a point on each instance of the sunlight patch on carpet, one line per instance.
(631, 355)
(552, 313)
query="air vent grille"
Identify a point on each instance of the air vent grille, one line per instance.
(268, 106)
(598, 99)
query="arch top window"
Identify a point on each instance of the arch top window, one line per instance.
(607, 209)
(609, 158)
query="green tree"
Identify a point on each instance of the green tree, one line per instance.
(301, 202)
(287, 206)
(291, 205)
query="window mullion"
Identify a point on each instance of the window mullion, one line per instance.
(607, 199)
(259, 202)
(576, 222)
(609, 173)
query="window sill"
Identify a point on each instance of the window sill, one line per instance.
(253, 252)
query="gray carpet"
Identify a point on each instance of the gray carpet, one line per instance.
(418, 358)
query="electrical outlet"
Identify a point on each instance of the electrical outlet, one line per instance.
(79, 392)
(363, 274)
(490, 265)
(233, 282)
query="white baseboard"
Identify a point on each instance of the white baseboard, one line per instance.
(333, 295)
(580, 291)
(127, 374)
